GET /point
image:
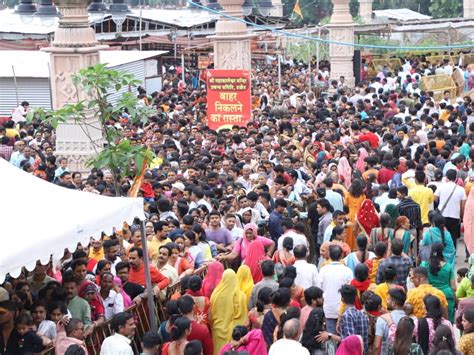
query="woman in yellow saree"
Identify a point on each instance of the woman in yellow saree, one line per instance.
(228, 309)
(245, 281)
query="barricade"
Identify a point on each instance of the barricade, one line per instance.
(142, 320)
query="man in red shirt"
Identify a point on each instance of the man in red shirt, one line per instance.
(368, 136)
(386, 173)
(198, 331)
(137, 270)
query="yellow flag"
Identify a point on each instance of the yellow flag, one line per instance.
(297, 9)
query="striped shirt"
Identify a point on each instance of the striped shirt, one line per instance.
(409, 208)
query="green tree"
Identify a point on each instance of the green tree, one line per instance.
(115, 154)
(446, 8)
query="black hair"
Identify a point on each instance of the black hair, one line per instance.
(101, 264)
(433, 309)
(348, 294)
(312, 293)
(469, 316)
(337, 230)
(239, 332)
(443, 341)
(281, 297)
(335, 252)
(119, 320)
(179, 327)
(404, 335)
(398, 295)
(362, 242)
(380, 249)
(314, 325)
(194, 347)
(436, 257)
(151, 339)
(138, 250)
(286, 282)
(288, 243)
(462, 272)
(290, 271)
(185, 304)
(371, 301)
(268, 268)
(24, 319)
(122, 265)
(264, 298)
(440, 222)
(397, 246)
(195, 283)
(361, 272)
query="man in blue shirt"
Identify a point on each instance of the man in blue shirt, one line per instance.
(275, 220)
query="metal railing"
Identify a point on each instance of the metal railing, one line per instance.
(142, 320)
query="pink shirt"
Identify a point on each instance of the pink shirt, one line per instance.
(305, 311)
(63, 341)
(241, 245)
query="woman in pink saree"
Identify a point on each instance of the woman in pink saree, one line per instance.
(212, 278)
(255, 256)
(245, 340)
(344, 171)
(360, 164)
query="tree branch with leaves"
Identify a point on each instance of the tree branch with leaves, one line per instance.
(116, 153)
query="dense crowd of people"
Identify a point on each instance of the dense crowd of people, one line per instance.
(329, 224)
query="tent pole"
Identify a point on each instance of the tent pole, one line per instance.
(149, 289)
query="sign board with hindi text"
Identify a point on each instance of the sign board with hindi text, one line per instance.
(228, 98)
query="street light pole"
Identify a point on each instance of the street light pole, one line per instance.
(309, 60)
(140, 27)
(317, 50)
(279, 76)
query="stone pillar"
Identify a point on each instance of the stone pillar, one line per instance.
(277, 10)
(232, 40)
(341, 29)
(468, 8)
(74, 47)
(365, 10)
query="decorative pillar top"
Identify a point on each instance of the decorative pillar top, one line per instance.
(341, 13)
(74, 28)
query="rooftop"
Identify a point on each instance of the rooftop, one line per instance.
(35, 64)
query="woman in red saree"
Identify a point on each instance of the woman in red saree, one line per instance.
(212, 279)
(90, 293)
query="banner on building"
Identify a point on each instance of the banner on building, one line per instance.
(228, 98)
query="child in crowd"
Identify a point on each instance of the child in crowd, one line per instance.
(30, 342)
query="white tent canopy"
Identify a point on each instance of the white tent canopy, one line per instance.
(40, 219)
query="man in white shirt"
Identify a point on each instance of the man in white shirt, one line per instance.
(334, 198)
(451, 198)
(298, 238)
(230, 224)
(19, 114)
(123, 325)
(289, 344)
(333, 276)
(112, 301)
(306, 273)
